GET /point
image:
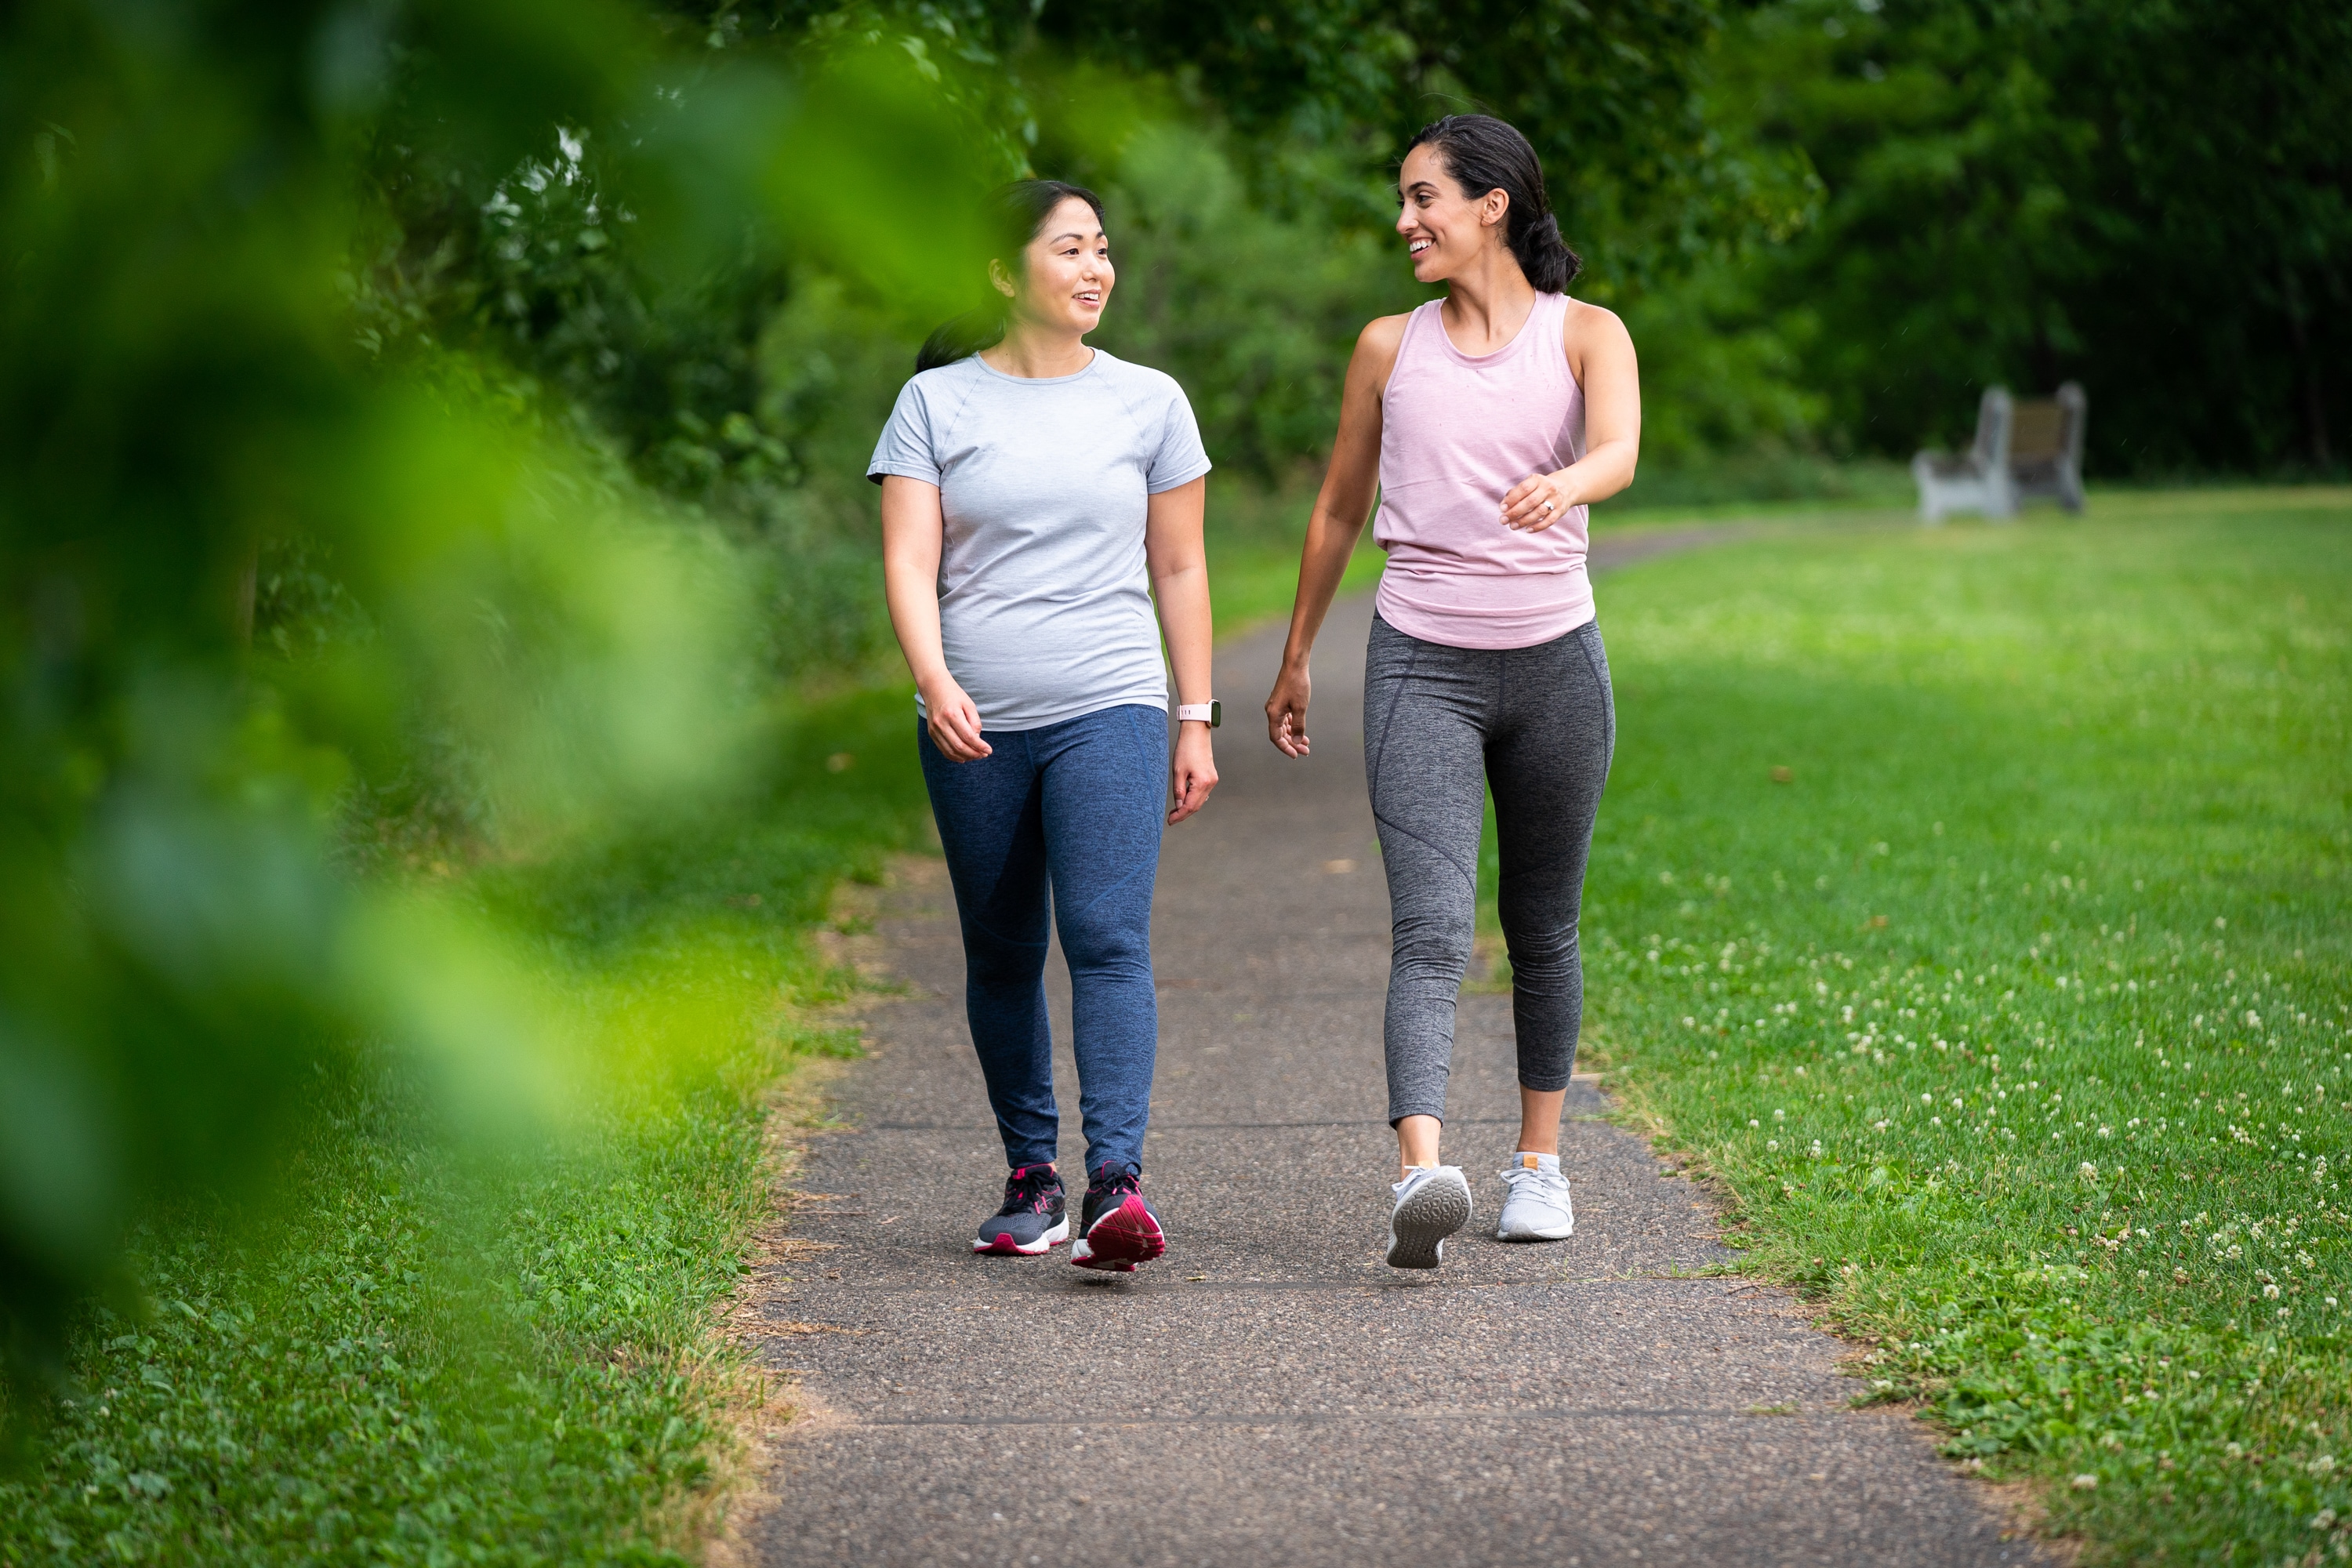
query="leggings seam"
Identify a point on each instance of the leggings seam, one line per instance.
(1600, 686)
(1388, 719)
(1468, 876)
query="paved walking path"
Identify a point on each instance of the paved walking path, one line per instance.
(1269, 1393)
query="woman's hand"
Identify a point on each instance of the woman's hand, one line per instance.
(953, 720)
(1537, 502)
(1192, 773)
(1286, 710)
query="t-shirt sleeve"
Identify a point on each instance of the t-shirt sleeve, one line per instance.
(1180, 458)
(906, 448)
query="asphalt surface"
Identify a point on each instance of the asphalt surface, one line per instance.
(1269, 1392)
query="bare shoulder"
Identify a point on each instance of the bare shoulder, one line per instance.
(1588, 327)
(1375, 357)
(1377, 344)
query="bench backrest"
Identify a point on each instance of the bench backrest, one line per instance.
(2043, 429)
(2037, 429)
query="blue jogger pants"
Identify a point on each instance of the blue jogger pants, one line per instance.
(1072, 811)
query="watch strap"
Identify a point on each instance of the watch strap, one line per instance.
(1209, 713)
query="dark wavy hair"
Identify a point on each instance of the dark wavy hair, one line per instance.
(1009, 217)
(1484, 153)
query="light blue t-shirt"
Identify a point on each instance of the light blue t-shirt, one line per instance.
(1044, 601)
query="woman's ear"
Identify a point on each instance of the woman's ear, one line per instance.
(1495, 208)
(1001, 280)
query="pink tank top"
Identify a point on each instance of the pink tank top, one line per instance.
(1457, 431)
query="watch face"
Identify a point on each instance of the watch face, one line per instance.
(1217, 714)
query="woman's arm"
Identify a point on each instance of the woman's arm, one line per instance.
(1600, 353)
(1179, 564)
(1341, 508)
(913, 534)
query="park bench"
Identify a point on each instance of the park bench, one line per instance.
(2022, 450)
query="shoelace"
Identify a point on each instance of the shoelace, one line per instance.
(1516, 1176)
(1029, 1189)
(1118, 1184)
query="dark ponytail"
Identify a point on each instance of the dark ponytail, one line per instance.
(1484, 153)
(1010, 219)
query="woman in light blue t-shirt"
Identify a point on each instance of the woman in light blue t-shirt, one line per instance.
(1040, 500)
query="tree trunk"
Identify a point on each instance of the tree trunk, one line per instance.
(248, 584)
(2298, 331)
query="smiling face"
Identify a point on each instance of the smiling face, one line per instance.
(1445, 229)
(1067, 275)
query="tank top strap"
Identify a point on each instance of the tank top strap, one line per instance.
(1419, 322)
(1551, 315)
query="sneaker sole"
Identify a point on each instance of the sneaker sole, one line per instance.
(1120, 1239)
(1418, 1229)
(1562, 1234)
(1006, 1247)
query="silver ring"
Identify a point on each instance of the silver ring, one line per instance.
(1546, 506)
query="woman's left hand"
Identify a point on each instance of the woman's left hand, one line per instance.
(1536, 503)
(1193, 772)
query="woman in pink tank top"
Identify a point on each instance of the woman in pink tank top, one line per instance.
(1485, 421)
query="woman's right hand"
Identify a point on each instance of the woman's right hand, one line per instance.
(1286, 710)
(954, 722)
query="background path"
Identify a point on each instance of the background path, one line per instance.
(1270, 1393)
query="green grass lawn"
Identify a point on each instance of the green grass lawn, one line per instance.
(511, 1355)
(1970, 904)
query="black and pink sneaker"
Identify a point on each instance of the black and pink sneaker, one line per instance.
(1118, 1229)
(1036, 1216)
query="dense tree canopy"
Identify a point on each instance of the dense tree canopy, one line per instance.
(1835, 220)
(2148, 199)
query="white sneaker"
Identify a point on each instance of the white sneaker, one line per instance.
(1432, 1202)
(1534, 1201)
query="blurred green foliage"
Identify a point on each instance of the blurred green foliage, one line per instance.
(276, 549)
(427, 1350)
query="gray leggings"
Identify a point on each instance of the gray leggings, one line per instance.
(1441, 724)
